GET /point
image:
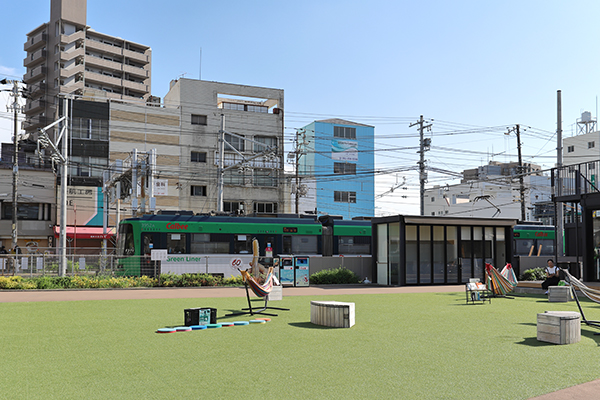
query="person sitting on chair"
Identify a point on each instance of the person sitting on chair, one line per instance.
(552, 277)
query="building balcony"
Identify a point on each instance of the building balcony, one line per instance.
(35, 74)
(35, 106)
(34, 58)
(136, 71)
(39, 121)
(102, 79)
(69, 72)
(101, 47)
(66, 39)
(135, 56)
(98, 62)
(35, 42)
(37, 89)
(138, 87)
(74, 53)
(72, 87)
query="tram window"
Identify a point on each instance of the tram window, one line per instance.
(287, 245)
(243, 244)
(304, 244)
(206, 243)
(176, 243)
(354, 245)
(523, 247)
(547, 247)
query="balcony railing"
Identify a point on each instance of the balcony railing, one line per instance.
(34, 58)
(576, 179)
(35, 74)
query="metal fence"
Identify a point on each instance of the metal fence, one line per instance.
(46, 264)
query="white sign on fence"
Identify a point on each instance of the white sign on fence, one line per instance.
(81, 262)
(24, 263)
(158, 255)
(39, 263)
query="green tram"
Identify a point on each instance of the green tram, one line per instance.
(534, 240)
(221, 244)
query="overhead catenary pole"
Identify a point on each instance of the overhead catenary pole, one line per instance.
(62, 245)
(560, 251)
(15, 107)
(221, 165)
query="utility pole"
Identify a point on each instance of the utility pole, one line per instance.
(15, 107)
(520, 171)
(559, 161)
(425, 145)
(298, 155)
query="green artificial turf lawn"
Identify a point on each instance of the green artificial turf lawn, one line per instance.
(428, 345)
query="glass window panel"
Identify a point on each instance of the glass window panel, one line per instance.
(488, 248)
(382, 254)
(452, 254)
(303, 244)
(466, 253)
(425, 254)
(478, 266)
(394, 252)
(438, 255)
(411, 254)
(176, 243)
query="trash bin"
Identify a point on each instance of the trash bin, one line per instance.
(199, 316)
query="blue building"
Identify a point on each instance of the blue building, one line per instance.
(337, 168)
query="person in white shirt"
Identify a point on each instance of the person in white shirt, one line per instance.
(552, 276)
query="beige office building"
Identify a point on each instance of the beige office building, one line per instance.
(65, 56)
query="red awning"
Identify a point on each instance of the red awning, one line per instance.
(86, 232)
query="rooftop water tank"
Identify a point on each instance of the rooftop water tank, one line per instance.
(586, 116)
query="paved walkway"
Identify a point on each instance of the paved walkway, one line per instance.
(589, 390)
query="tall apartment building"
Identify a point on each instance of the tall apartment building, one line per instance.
(336, 168)
(65, 56)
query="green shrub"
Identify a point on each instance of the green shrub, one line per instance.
(334, 276)
(534, 274)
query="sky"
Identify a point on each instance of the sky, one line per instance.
(476, 68)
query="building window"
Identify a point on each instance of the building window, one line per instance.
(199, 119)
(233, 207)
(85, 128)
(344, 197)
(344, 132)
(267, 140)
(570, 149)
(591, 145)
(432, 199)
(264, 177)
(344, 168)
(198, 156)
(244, 107)
(270, 208)
(233, 177)
(87, 166)
(27, 211)
(198, 190)
(236, 142)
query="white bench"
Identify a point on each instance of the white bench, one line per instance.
(559, 327)
(335, 314)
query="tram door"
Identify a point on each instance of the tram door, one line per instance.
(150, 240)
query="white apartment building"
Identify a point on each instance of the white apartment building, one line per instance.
(490, 192)
(252, 118)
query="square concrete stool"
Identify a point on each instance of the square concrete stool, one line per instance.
(559, 294)
(335, 314)
(559, 327)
